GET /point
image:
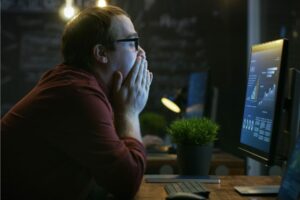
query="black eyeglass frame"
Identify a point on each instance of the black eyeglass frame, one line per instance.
(135, 40)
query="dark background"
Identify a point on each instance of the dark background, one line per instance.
(180, 37)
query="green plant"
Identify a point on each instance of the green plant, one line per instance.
(153, 123)
(198, 131)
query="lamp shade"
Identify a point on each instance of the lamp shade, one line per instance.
(177, 103)
(170, 104)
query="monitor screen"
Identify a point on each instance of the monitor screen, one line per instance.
(264, 99)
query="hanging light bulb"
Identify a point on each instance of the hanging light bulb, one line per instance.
(101, 3)
(69, 10)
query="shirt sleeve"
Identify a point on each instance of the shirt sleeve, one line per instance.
(90, 138)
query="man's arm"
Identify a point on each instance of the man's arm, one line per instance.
(91, 140)
(112, 151)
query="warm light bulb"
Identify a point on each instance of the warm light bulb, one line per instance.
(170, 104)
(102, 3)
(69, 12)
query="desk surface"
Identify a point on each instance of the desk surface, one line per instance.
(222, 191)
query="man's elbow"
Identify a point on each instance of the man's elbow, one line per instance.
(125, 179)
(128, 185)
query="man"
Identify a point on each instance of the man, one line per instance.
(78, 129)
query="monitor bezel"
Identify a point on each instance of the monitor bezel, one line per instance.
(257, 154)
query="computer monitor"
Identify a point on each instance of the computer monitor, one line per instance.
(197, 93)
(201, 96)
(264, 101)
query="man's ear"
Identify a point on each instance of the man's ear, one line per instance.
(100, 54)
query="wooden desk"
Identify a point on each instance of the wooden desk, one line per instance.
(222, 191)
(234, 165)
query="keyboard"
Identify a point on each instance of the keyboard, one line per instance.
(194, 187)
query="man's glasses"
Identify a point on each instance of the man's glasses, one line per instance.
(135, 40)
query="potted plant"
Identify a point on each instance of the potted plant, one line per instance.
(194, 138)
(153, 127)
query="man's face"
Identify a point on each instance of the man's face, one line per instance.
(124, 55)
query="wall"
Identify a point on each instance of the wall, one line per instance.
(283, 20)
(30, 44)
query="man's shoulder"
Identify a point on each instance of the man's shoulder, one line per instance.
(72, 78)
(72, 88)
(68, 73)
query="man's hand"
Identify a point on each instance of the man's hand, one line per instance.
(130, 96)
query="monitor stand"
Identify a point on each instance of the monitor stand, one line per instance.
(255, 168)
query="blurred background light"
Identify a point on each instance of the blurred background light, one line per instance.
(68, 11)
(101, 3)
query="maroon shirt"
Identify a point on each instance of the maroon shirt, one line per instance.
(60, 140)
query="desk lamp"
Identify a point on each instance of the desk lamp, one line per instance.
(176, 103)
